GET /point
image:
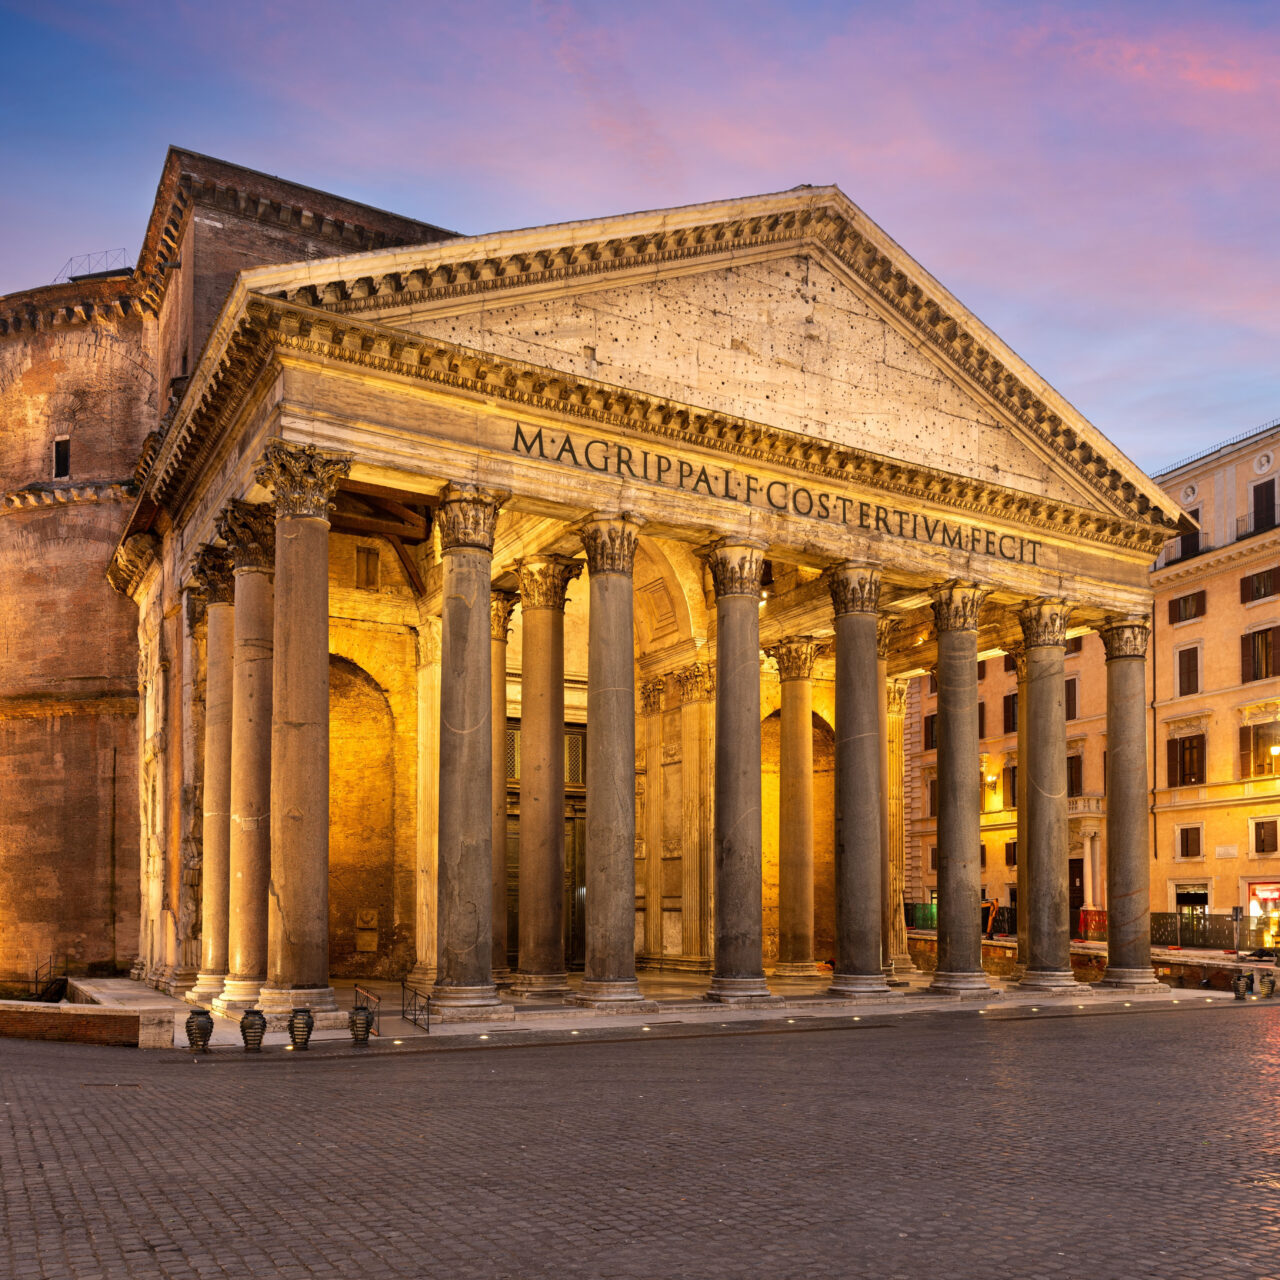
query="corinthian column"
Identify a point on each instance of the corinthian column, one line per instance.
(304, 480)
(1044, 637)
(738, 973)
(249, 531)
(213, 575)
(543, 583)
(795, 659)
(894, 837)
(1128, 870)
(959, 971)
(859, 968)
(464, 877)
(501, 606)
(610, 977)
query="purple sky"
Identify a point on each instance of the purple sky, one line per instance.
(1099, 182)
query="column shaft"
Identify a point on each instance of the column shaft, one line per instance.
(893, 813)
(423, 974)
(1024, 891)
(501, 605)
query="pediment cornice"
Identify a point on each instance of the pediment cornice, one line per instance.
(270, 326)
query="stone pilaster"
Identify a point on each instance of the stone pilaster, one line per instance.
(427, 658)
(955, 609)
(501, 606)
(1019, 656)
(1128, 868)
(303, 480)
(610, 976)
(859, 966)
(652, 695)
(541, 968)
(248, 529)
(795, 659)
(894, 814)
(738, 968)
(214, 575)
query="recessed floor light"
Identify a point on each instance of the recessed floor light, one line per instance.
(484, 1037)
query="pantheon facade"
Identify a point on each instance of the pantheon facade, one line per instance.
(421, 512)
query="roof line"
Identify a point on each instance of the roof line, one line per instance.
(1223, 444)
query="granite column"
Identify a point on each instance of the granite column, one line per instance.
(501, 605)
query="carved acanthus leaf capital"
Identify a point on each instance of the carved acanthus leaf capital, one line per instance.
(501, 606)
(1019, 655)
(467, 517)
(896, 696)
(249, 530)
(886, 630)
(213, 574)
(956, 605)
(855, 588)
(610, 543)
(796, 656)
(697, 682)
(736, 568)
(651, 692)
(302, 477)
(426, 638)
(544, 581)
(1125, 637)
(1044, 622)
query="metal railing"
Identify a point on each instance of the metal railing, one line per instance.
(366, 999)
(415, 1007)
(46, 984)
(1254, 522)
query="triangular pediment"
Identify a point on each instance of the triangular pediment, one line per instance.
(793, 310)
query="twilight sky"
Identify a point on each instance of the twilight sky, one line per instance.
(1100, 182)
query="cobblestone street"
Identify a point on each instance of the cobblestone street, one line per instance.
(1095, 1144)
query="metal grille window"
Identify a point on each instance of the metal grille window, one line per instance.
(513, 755)
(573, 760)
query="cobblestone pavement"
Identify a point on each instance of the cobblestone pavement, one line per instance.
(1006, 1145)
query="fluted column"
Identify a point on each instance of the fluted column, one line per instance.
(427, 654)
(541, 968)
(738, 970)
(1019, 655)
(501, 606)
(249, 529)
(859, 967)
(1128, 869)
(893, 814)
(795, 659)
(214, 576)
(1044, 637)
(466, 520)
(304, 480)
(959, 971)
(610, 977)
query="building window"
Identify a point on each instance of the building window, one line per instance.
(1010, 662)
(1258, 654)
(1010, 853)
(982, 719)
(62, 458)
(1188, 842)
(933, 684)
(1010, 786)
(1189, 543)
(1188, 672)
(1011, 713)
(1184, 608)
(367, 568)
(1186, 760)
(931, 732)
(1259, 749)
(1073, 707)
(982, 669)
(931, 799)
(1265, 836)
(933, 857)
(1075, 644)
(982, 861)
(1075, 775)
(1264, 506)
(1257, 586)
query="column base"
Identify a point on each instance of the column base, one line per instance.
(456, 999)
(1050, 981)
(176, 981)
(281, 1000)
(207, 987)
(797, 969)
(859, 985)
(970, 985)
(503, 975)
(540, 986)
(748, 991)
(237, 995)
(421, 976)
(1136, 980)
(612, 997)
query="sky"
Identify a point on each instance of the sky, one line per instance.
(1100, 183)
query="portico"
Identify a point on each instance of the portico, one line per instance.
(611, 538)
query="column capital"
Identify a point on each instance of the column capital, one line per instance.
(956, 605)
(544, 580)
(610, 542)
(854, 587)
(212, 572)
(697, 682)
(896, 693)
(467, 517)
(1018, 652)
(651, 692)
(302, 477)
(426, 640)
(736, 567)
(1125, 637)
(886, 629)
(1044, 623)
(796, 656)
(249, 530)
(501, 606)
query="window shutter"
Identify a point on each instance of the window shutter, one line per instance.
(1246, 751)
(1246, 658)
(1246, 591)
(1198, 608)
(1173, 612)
(1275, 649)
(1171, 754)
(982, 719)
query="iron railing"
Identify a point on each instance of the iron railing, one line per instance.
(366, 999)
(46, 984)
(415, 1007)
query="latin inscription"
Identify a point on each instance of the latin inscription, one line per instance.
(729, 485)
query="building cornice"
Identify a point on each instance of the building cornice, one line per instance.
(35, 497)
(1234, 555)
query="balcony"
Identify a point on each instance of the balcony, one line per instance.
(1186, 547)
(1255, 522)
(1086, 806)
